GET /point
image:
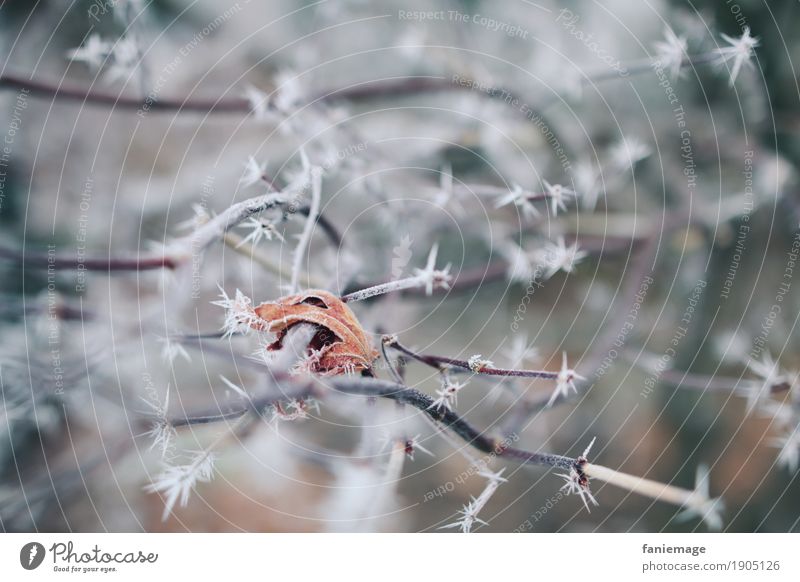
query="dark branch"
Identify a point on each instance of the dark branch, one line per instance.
(439, 361)
(371, 387)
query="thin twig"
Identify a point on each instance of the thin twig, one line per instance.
(485, 369)
(308, 228)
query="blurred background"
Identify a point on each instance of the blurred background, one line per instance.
(684, 178)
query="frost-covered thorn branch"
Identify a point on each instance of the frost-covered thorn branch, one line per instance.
(447, 395)
(176, 482)
(555, 194)
(475, 364)
(576, 482)
(259, 229)
(469, 514)
(240, 316)
(428, 278)
(696, 502)
(412, 445)
(161, 432)
(565, 381)
(394, 372)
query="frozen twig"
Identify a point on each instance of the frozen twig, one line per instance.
(308, 227)
(475, 364)
(469, 514)
(696, 502)
(428, 278)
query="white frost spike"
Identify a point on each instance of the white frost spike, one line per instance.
(521, 199)
(92, 52)
(521, 352)
(477, 363)
(740, 51)
(430, 277)
(628, 152)
(560, 257)
(588, 448)
(290, 91)
(577, 484)
(259, 229)
(573, 486)
(445, 192)
(162, 432)
(300, 179)
(413, 445)
(789, 455)
(239, 313)
(199, 217)
(770, 374)
(447, 394)
(565, 381)
(258, 101)
(236, 388)
(126, 57)
(700, 504)
(253, 172)
(671, 51)
(177, 482)
(557, 195)
(172, 350)
(519, 263)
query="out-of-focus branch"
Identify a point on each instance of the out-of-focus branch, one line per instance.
(376, 89)
(45, 260)
(172, 256)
